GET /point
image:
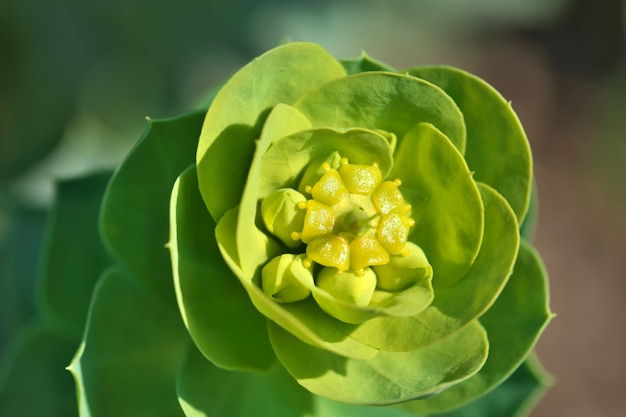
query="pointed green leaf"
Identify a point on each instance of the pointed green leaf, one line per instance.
(383, 100)
(449, 212)
(215, 308)
(304, 318)
(74, 256)
(33, 381)
(133, 346)
(390, 377)
(134, 216)
(464, 301)
(497, 148)
(207, 391)
(513, 324)
(238, 111)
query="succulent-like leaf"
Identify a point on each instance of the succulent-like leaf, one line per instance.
(134, 216)
(364, 63)
(381, 100)
(497, 148)
(236, 115)
(133, 346)
(449, 212)
(468, 298)
(215, 308)
(513, 325)
(388, 378)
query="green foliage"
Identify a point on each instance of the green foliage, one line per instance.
(181, 324)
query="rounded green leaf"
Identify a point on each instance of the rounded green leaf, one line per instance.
(390, 377)
(364, 63)
(207, 391)
(215, 308)
(383, 100)
(135, 210)
(133, 346)
(513, 324)
(497, 148)
(467, 299)
(446, 202)
(238, 112)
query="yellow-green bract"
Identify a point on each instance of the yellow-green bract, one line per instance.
(464, 166)
(355, 226)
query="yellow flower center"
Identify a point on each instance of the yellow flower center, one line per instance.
(354, 219)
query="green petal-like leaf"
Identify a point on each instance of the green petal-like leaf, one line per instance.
(383, 100)
(33, 381)
(449, 211)
(281, 75)
(285, 160)
(497, 148)
(135, 216)
(74, 256)
(282, 121)
(207, 391)
(304, 319)
(468, 298)
(216, 310)
(133, 346)
(513, 325)
(388, 378)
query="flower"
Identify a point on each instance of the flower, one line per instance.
(346, 208)
(355, 226)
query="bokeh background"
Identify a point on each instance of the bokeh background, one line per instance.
(77, 79)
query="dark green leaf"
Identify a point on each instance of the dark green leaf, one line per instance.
(135, 211)
(74, 256)
(132, 349)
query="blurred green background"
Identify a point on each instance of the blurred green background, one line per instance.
(78, 78)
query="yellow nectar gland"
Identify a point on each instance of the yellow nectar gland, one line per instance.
(354, 219)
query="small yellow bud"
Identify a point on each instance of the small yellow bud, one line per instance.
(282, 215)
(287, 278)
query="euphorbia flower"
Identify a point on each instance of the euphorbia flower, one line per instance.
(356, 226)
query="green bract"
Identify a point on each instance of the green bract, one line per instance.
(343, 225)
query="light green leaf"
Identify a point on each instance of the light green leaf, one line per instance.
(215, 308)
(390, 377)
(283, 120)
(449, 211)
(284, 161)
(497, 148)
(134, 216)
(468, 298)
(33, 381)
(238, 111)
(383, 100)
(513, 324)
(133, 346)
(304, 318)
(207, 391)
(74, 256)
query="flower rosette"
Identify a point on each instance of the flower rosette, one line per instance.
(355, 226)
